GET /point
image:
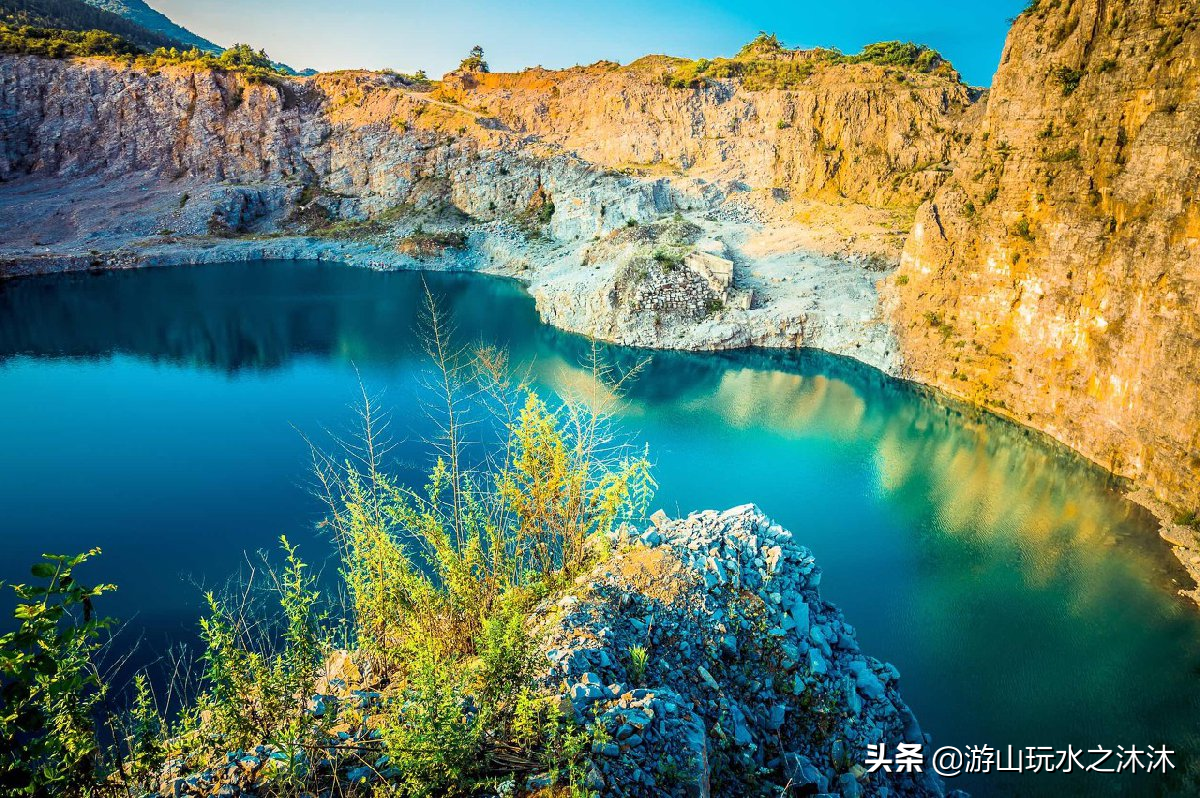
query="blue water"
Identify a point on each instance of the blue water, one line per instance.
(160, 414)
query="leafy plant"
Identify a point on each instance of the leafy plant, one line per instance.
(1068, 79)
(669, 259)
(255, 690)
(433, 732)
(638, 660)
(57, 43)
(50, 687)
(144, 733)
(1022, 229)
(474, 61)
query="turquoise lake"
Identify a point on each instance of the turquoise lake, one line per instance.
(160, 414)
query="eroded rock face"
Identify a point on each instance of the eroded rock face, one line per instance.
(751, 684)
(861, 132)
(803, 193)
(1056, 276)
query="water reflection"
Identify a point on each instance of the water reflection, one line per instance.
(1025, 602)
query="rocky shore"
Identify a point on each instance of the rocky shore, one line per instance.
(753, 684)
(749, 683)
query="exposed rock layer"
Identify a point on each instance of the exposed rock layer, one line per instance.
(123, 161)
(1056, 276)
(861, 132)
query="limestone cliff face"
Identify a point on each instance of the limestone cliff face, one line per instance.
(859, 132)
(852, 131)
(351, 135)
(1056, 276)
(804, 193)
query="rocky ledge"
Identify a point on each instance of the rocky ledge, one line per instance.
(701, 661)
(752, 684)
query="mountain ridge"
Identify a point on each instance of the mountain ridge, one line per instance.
(138, 12)
(77, 15)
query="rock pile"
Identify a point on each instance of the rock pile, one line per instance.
(750, 683)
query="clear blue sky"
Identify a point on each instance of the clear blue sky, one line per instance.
(434, 35)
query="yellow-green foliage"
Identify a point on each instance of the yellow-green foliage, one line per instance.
(54, 43)
(638, 661)
(255, 691)
(51, 685)
(426, 569)
(440, 581)
(765, 63)
(254, 64)
(441, 578)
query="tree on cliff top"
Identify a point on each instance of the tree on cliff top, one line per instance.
(243, 55)
(474, 62)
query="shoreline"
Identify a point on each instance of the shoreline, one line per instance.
(1184, 542)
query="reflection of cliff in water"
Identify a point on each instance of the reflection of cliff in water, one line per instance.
(984, 480)
(240, 316)
(931, 455)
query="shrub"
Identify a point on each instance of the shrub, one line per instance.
(669, 259)
(1021, 229)
(433, 734)
(765, 63)
(49, 686)
(243, 59)
(143, 734)
(440, 581)
(1068, 79)
(426, 568)
(1188, 518)
(421, 244)
(255, 688)
(638, 660)
(1063, 156)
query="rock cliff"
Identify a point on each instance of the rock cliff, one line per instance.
(1055, 277)
(862, 132)
(801, 193)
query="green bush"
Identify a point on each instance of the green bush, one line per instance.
(765, 63)
(1063, 156)
(440, 582)
(1068, 79)
(668, 258)
(49, 686)
(434, 734)
(474, 61)
(55, 43)
(255, 688)
(1022, 230)
(255, 65)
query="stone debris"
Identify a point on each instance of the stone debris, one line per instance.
(753, 686)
